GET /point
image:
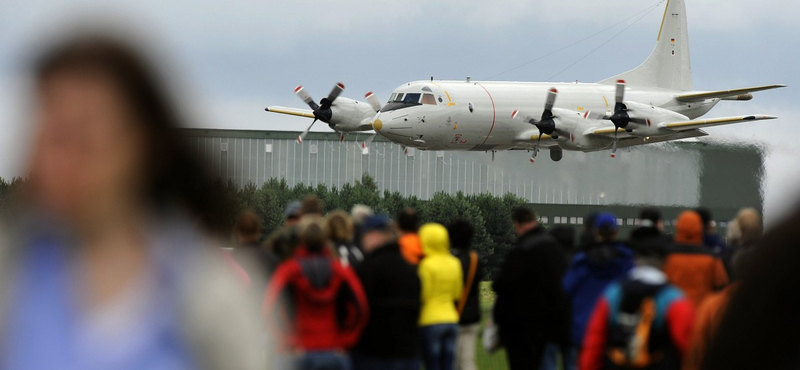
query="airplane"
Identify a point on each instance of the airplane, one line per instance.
(654, 102)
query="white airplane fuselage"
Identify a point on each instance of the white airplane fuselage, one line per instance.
(450, 124)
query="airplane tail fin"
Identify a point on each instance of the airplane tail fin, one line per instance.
(669, 66)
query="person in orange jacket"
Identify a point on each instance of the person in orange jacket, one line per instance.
(690, 266)
(410, 246)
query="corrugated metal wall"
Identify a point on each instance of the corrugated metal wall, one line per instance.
(659, 174)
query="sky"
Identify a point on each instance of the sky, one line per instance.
(228, 60)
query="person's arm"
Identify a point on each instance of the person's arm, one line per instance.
(720, 274)
(359, 310)
(274, 313)
(510, 273)
(592, 355)
(680, 319)
(425, 282)
(701, 336)
(459, 286)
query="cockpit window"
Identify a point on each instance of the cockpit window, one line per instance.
(397, 97)
(394, 95)
(412, 98)
(428, 99)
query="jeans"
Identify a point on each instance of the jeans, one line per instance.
(372, 363)
(438, 346)
(569, 357)
(324, 360)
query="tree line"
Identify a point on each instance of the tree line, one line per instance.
(489, 214)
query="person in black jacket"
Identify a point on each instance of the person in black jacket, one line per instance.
(531, 310)
(391, 339)
(461, 233)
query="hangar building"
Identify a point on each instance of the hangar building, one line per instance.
(673, 176)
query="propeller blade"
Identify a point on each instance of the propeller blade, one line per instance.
(366, 143)
(620, 96)
(304, 133)
(300, 92)
(551, 100)
(536, 148)
(373, 101)
(614, 146)
(517, 114)
(337, 89)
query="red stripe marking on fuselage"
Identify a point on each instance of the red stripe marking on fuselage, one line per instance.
(494, 114)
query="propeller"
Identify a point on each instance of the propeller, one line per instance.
(322, 111)
(620, 117)
(546, 124)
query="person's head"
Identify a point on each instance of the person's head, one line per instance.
(689, 229)
(606, 227)
(408, 220)
(565, 235)
(311, 206)
(589, 222)
(340, 226)
(749, 222)
(524, 220)
(651, 217)
(733, 234)
(376, 231)
(106, 144)
(360, 213)
(291, 215)
(707, 219)
(247, 229)
(650, 252)
(461, 233)
(313, 234)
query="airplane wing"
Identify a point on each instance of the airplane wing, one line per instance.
(630, 141)
(685, 125)
(291, 111)
(700, 96)
(700, 123)
(634, 141)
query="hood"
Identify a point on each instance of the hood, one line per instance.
(434, 239)
(642, 281)
(689, 229)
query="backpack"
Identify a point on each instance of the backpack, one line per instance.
(635, 339)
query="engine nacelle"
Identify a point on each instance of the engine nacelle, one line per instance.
(350, 115)
(645, 119)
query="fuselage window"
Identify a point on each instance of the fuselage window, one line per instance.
(428, 99)
(412, 98)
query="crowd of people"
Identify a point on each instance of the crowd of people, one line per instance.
(401, 295)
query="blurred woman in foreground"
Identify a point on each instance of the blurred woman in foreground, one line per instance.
(109, 269)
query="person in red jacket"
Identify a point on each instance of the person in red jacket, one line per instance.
(641, 322)
(325, 308)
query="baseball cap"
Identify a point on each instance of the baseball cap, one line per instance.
(376, 222)
(606, 221)
(292, 210)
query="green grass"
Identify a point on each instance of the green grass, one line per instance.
(485, 361)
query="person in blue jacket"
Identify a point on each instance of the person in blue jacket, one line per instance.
(590, 272)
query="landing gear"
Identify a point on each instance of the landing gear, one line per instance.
(556, 154)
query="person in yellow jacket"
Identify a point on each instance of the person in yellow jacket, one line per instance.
(441, 279)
